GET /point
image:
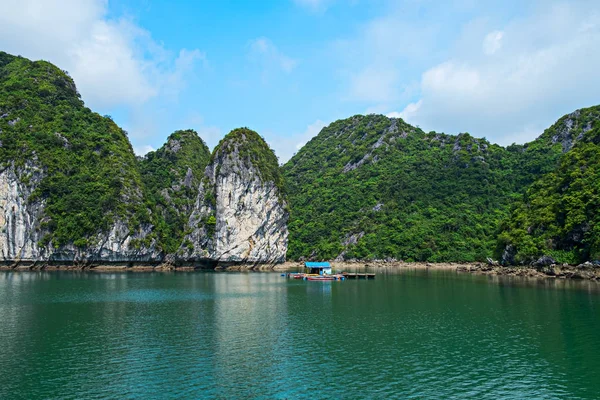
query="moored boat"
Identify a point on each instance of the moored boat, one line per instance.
(316, 271)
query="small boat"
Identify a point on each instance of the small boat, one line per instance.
(316, 271)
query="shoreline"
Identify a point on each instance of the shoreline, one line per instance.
(552, 271)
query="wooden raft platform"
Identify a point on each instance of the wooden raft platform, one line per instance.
(349, 275)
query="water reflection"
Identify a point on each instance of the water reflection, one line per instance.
(409, 333)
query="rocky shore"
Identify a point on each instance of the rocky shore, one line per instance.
(588, 271)
(139, 267)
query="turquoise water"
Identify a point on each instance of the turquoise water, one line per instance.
(412, 334)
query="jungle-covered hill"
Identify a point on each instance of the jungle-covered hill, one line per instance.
(366, 187)
(559, 214)
(372, 187)
(90, 175)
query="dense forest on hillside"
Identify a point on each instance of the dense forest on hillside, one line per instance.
(90, 174)
(367, 187)
(372, 187)
(172, 175)
(558, 215)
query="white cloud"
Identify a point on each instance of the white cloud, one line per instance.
(114, 62)
(265, 52)
(286, 147)
(143, 150)
(373, 63)
(173, 82)
(314, 5)
(492, 42)
(408, 113)
(548, 67)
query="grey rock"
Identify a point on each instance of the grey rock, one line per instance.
(508, 255)
(250, 217)
(492, 262)
(189, 176)
(22, 230)
(544, 261)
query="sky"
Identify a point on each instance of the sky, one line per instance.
(503, 70)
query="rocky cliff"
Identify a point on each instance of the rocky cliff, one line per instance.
(73, 192)
(70, 189)
(25, 229)
(240, 213)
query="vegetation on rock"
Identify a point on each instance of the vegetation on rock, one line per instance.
(90, 174)
(558, 216)
(367, 187)
(172, 175)
(254, 151)
(371, 187)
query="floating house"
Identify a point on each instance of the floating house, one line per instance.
(317, 268)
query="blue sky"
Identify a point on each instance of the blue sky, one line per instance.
(504, 70)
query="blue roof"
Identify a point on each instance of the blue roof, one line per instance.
(317, 264)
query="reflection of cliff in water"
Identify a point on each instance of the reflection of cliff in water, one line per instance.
(250, 317)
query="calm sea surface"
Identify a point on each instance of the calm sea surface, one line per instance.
(409, 334)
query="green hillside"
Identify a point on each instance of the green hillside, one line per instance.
(172, 175)
(372, 187)
(90, 174)
(558, 216)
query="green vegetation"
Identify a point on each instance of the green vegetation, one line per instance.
(558, 216)
(370, 187)
(172, 175)
(253, 150)
(90, 176)
(90, 172)
(366, 187)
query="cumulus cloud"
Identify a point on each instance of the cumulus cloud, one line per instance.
(264, 51)
(142, 150)
(408, 113)
(492, 42)
(286, 147)
(113, 61)
(519, 80)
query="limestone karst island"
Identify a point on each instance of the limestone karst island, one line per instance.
(299, 199)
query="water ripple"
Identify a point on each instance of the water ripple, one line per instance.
(227, 336)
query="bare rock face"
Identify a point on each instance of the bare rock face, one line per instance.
(572, 127)
(22, 229)
(240, 215)
(19, 222)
